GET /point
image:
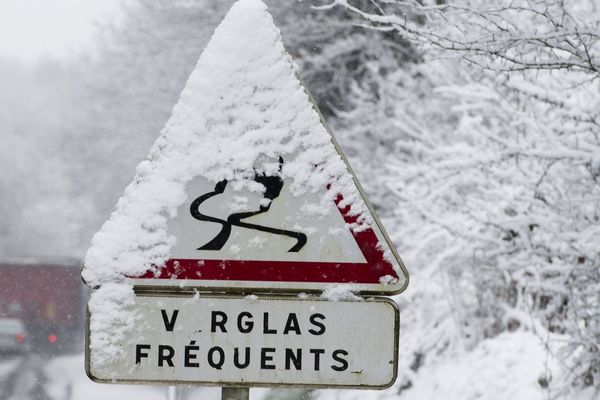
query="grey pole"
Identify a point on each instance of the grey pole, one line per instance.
(172, 393)
(232, 393)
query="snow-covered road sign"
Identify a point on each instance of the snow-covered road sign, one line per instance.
(246, 188)
(256, 341)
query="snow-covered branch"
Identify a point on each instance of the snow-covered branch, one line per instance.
(501, 36)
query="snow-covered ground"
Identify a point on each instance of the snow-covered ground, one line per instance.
(67, 381)
(508, 367)
(8, 364)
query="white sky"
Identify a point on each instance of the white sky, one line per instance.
(33, 28)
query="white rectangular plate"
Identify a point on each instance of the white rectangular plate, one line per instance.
(280, 341)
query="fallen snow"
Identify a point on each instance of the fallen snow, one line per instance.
(503, 368)
(243, 107)
(507, 368)
(67, 380)
(111, 320)
(7, 365)
(340, 293)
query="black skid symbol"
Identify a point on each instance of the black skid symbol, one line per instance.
(273, 186)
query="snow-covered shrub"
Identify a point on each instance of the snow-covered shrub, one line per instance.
(497, 144)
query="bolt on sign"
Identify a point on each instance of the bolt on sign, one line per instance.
(267, 341)
(245, 191)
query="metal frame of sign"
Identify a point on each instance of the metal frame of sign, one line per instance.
(247, 384)
(370, 207)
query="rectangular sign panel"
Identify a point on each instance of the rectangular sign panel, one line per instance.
(255, 341)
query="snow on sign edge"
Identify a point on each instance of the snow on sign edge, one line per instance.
(243, 73)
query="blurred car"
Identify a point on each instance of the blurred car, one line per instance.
(12, 336)
(46, 295)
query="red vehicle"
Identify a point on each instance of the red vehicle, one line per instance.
(47, 296)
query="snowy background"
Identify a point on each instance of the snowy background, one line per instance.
(473, 125)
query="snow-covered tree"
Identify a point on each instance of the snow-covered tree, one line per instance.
(36, 217)
(497, 152)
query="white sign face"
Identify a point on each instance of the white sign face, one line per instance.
(271, 239)
(249, 341)
(289, 228)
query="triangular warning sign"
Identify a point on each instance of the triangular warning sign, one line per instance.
(246, 188)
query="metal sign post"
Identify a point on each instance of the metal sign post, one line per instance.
(172, 393)
(231, 393)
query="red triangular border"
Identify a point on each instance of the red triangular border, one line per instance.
(370, 272)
